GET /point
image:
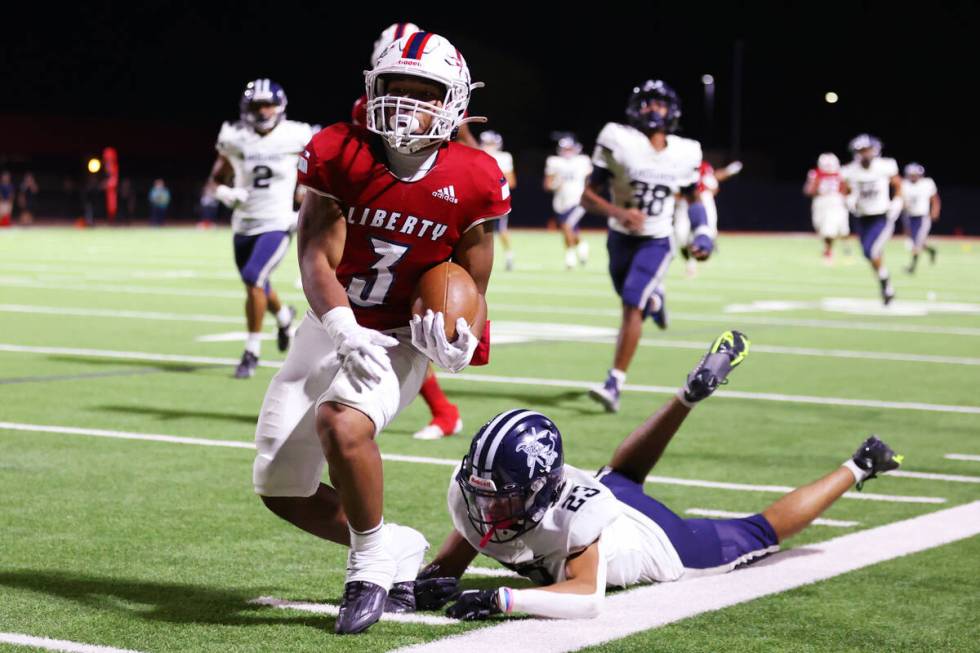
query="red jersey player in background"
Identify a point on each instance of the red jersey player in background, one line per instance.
(446, 419)
(386, 203)
(829, 207)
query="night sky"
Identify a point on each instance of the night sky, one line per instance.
(903, 74)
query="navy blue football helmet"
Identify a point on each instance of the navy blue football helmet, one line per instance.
(512, 474)
(259, 92)
(639, 115)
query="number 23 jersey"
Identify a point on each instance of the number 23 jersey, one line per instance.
(396, 230)
(643, 178)
(635, 548)
(265, 166)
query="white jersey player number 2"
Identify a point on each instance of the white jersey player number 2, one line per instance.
(389, 254)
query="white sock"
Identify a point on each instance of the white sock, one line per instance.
(253, 343)
(883, 273)
(369, 559)
(407, 547)
(655, 303)
(619, 375)
(284, 317)
(859, 474)
(570, 258)
(583, 251)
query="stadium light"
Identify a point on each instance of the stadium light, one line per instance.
(94, 165)
(707, 80)
(831, 97)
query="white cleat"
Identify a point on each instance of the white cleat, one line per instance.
(435, 432)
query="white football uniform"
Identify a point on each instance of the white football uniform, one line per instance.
(503, 159)
(644, 178)
(266, 167)
(869, 186)
(917, 196)
(828, 208)
(570, 172)
(635, 548)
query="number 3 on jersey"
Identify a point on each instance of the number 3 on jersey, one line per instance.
(372, 292)
(579, 495)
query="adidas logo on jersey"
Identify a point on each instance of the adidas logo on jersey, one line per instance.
(448, 193)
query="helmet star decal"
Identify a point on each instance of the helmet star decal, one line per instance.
(538, 452)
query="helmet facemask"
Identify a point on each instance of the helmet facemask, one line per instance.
(501, 514)
(397, 118)
(262, 92)
(639, 112)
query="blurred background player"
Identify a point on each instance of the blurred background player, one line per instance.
(828, 208)
(378, 215)
(922, 206)
(565, 175)
(644, 167)
(255, 175)
(492, 143)
(159, 199)
(869, 177)
(7, 193)
(27, 198)
(110, 183)
(709, 181)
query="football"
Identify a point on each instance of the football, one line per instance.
(449, 288)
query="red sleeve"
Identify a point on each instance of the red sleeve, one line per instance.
(492, 197)
(482, 354)
(317, 163)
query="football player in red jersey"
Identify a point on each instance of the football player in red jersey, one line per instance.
(446, 419)
(386, 203)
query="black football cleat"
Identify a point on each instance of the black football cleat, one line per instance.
(284, 335)
(246, 368)
(724, 354)
(401, 597)
(874, 456)
(362, 606)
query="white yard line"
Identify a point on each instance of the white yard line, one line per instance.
(527, 330)
(47, 644)
(425, 460)
(658, 605)
(488, 378)
(963, 456)
(741, 319)
(727, 514)
(953, 478)
(333, 610)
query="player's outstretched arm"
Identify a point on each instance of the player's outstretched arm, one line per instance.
(580, 596)
(321, 235)
(593, 202)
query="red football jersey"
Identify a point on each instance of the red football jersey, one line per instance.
(827, 183)
(396, 230)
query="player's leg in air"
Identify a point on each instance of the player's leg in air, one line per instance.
(719, 545)
(576, 249)
(445, 414)
(257, 256)
(919, 227)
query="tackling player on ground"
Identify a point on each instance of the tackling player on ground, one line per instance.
(922, 206)
(576, 534)
(565, 175)
(374, 220)
(644, 167)
(828, 208)
(869, 177)
(255, 175)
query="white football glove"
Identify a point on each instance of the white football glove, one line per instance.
(733, 168)
(429, 337)
(229, 196)
(361, 351)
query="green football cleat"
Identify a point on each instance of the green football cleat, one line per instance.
(725, 353)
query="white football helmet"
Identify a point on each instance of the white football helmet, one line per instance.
(491, 140)
(828, 163)
(394, 117)
(391, 34)
(915, 170)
